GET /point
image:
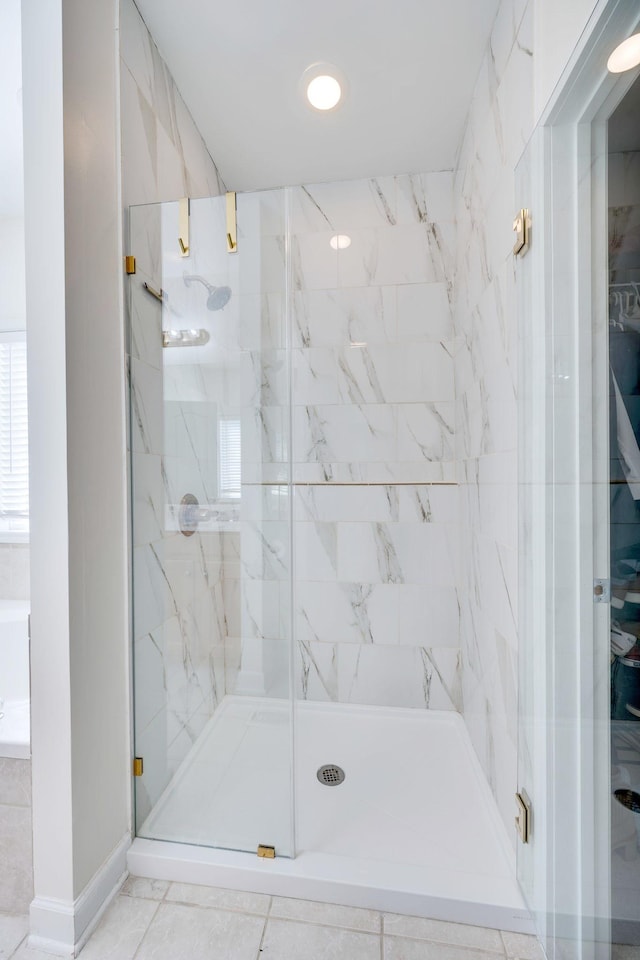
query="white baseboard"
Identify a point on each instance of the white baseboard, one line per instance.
(62, 927)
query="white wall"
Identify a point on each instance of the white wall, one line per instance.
(80, 717)
(557, 29)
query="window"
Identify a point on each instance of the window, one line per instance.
(14, 452)
(229, 453)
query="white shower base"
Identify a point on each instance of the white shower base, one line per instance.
(413, 829)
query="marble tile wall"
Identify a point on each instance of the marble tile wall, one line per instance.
(16, 876)
(499, 125)
(375, 523)
(179, 621)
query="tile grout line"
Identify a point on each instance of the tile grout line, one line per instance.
(503, 953)
(264, 928)
(22, 942)
(484, 951)
(201, 906)
(146, 931)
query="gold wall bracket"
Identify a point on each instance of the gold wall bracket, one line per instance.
(184, 210)
(138, 766)
(265, 851)
(522, 228)
(523, 819)
(130, 265)
(232, 226)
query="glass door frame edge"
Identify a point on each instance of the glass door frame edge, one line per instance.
(563, 190)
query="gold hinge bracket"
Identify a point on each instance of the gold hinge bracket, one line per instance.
(266, 851)
(184, 210)
(138, 766)
(232, 226)
(130, 265)
(522, 229)
(523, 819)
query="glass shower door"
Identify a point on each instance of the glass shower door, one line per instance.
(210, 495)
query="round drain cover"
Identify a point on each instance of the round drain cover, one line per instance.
(330, 775)
(628, 798)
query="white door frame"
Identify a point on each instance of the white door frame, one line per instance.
(563, 429)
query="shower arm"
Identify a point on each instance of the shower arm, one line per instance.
(189, 278)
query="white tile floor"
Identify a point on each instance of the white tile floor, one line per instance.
(157, 920)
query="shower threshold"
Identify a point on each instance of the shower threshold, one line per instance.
(413, 829)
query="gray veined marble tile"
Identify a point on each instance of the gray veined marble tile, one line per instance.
(285, 939)
(344, 206)
(316, 549)
(428, 615)
(458, 934)
(347, 612)
(150, 509)
(314, 262)
(327, 914)
(146, 408)
(344, 433)
(392, 676)
(424, 312)
(120, 931)
(191, 933)
(314, 376)
(15, 782)
(264, 550)
(139, 150)
(425, 197)
(426, 431)
(401, 948)
(522, 946)
(338, 318)
(348, 503)
(145, 888)
(12, 931)
(316, 670)
(235, 900)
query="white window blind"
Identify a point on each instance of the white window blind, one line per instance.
(229, 453)
(14, 451)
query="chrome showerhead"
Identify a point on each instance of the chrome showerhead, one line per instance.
(218, 296)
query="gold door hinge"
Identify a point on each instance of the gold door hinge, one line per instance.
(266, 851)
(522, 228)
(138, 766)
(523, 820)
(130, 265)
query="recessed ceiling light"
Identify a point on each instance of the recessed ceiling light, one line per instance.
(324, 92)
(323, 86)
(626, 55)
(340, 242)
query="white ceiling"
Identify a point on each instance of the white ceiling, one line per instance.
(11, 175)
(411, 66)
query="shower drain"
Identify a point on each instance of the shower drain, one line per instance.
(330, 775)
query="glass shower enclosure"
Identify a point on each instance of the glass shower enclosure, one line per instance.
(211, 525)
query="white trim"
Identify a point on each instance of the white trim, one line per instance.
(567, 640)
(313, 876)
(62, 928)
